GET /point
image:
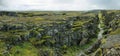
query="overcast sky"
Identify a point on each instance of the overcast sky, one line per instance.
(59, 4)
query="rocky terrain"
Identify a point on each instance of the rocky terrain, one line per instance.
(109, 44)
(92, 33)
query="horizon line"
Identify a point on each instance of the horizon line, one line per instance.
(60, 10)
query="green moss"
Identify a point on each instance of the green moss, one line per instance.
(64, 46)
(75, 28)
(110, 29)
(103, 40)
(43, 50)
(39, 19)
(98, 52)
(46, 37)
(117, 31)
(102, 25)
(72, 51)
(40, 29)
(59, 22)
(52, 41)
(2, 47)
(100, 15)
(33, 40)
(78, 23)
(34, 33)
(87, 45)
(40, 42)
(26, 49)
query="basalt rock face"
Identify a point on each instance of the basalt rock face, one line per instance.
(7, 27)
(61, 34)
(30, 35)
(109, 45)
(25, 37)
(111, 20)
(50, 39)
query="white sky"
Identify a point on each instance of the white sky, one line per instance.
(58, 4)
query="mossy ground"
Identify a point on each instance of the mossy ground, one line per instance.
(35, 46)
(25, 49)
